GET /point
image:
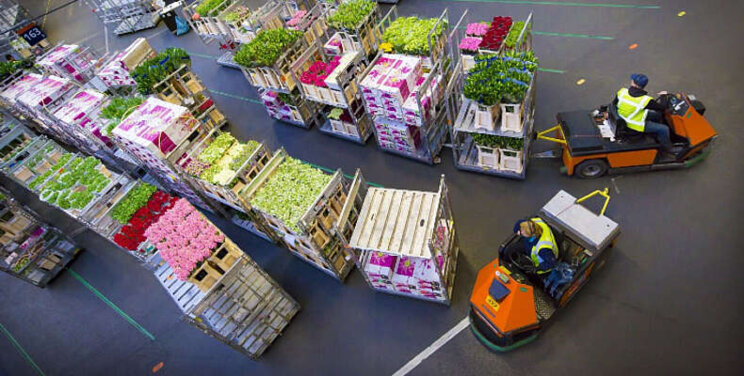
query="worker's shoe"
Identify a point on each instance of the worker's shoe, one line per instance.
(667, 155)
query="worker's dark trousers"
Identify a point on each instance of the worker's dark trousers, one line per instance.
(654, 126)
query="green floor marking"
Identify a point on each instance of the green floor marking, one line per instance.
(233, 96)
(571, 35)
(551, 70)
(111, 304)
(202, 55)
(567, 35)
(560, 3)
(21, 350)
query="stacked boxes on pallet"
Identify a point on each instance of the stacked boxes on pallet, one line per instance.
(115, 72)
(71, 61)
(403, 87)
(153, 133)
(405, 243)
(389, 83)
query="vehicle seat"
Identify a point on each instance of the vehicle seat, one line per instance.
(622, 132)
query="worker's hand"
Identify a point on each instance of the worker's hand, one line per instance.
(664, 92)
(519, 232)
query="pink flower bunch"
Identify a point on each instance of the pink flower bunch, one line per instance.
(318, 71)
(470, 44)
(477, 29)
(184, 238)
(297, 18)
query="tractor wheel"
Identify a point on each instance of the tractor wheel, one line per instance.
(590, 169)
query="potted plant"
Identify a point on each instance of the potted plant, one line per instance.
(510, 150)
(494, 79)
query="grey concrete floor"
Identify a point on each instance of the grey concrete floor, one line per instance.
(668, 301)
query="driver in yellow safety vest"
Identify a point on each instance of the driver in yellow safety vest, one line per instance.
(641, 112)
(537, 242)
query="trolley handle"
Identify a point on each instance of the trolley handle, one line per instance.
(542, 135)
(604, 193)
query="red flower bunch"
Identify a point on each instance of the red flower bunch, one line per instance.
(132, 234)
(496, 33)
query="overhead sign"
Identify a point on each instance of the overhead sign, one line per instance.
(31, 34)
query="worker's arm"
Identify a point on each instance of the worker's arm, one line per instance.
(548, 259)
(655, 106)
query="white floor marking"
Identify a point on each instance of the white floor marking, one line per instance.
(441, 341)
(105, 35)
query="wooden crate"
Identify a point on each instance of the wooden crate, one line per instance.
(205, 276)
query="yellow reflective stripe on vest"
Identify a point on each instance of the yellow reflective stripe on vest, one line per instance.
(632, 109)
(546, 241)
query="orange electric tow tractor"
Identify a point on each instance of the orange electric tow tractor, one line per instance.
(598, 142)
(510, 303)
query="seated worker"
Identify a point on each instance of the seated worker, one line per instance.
(641, 112)
(537, 242)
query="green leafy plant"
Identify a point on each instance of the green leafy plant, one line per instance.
(350, 13)
(136, 198)
(290, 191)
(72, 182)
(211, 7)
(217, 148)
(244, 152)
(409, 35)
(266, 47)
(118, 108)
(236, 15)
(516, 29)
(336, 113)
(286, 99)
(9, 67)
(500, 142)
(495, 78)
(151, 71)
